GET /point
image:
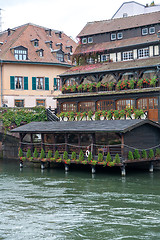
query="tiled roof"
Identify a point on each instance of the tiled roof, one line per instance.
(83, 126)
(23, 35)
(120, 23)
(100, 47)
(113, 66)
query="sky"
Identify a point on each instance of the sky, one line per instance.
(69, 16)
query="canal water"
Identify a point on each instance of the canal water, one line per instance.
(78, 205)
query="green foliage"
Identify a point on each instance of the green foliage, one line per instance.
(35, 154)
(130, 155)
(144, 154)
(84, 162)
(73, 156)
(65, 155)
(68, 161)
(56, 155)
(28, 153)
(151, 154)
(100, 157)
(13, 117)
(116, 159)
(90, 157)
(116, 115)
(90, 114)
(157, 152)
(49, 155)
(42, 155)
(94, 162)
(20, 153)
(108, 158)
(81, 155)
(136, 154)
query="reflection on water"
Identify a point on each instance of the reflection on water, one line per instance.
(52, 204)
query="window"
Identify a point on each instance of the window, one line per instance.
(127, 55)
(151, 30)
(113, 36)
(147, 103)
(90, 60)
(20, 53)
(70, 82)
(19, 103)
(18, 82)
(128, 76)
(60, 57)
(40, 83)
(105, 105)
(57, 84)
(125, 103)
(125, 15)
(119, 35)
(40, 102)
(90, 40)
(144, 31)
(149, 74)
(86, 106)
(68, 107)
(104, 57)
(36, 43)
(84, 40)
(142, 53)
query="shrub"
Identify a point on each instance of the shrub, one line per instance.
(35, 154)
(20, 153)
(65, 155)
(157, 152)
(73, 156)
(42, 155)
(56, 155)
(108, 158)
(68, 161)
(49, 155)
(116, 159)
(81, 155)
(151, 154)
(28, 153)
(90, 157)
(100, 157)
(144, 154)
(130, 155)
(136, 154)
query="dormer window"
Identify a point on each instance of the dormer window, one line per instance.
(84, 40)
(49, 32)
(70, 48)
(40, 52)
(119, 35)
(144, 31)
(90, 40)
(60, 55)
(49, 43)
(1, 43)
(125, 15)
(113, 36)
(20, 53)
(151, 30)
(60, 45)
(35, 42)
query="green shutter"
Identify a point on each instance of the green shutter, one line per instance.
(55, 84)
(12, 84)
(25, 83)
(33, 83)
(47, 83)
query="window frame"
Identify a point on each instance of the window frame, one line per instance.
(121, 35)
(19, 100)
(142, 52)
(144, 33)
(84, 40)
(90, 105)
(70, 107)
(153, 31)
(89, 39)
(123, 104)
(129, 55)
(105, 105)
(106, 56)
(41, 100)
(113, 34)
(40, 81)
(22, 82)
(21, 53)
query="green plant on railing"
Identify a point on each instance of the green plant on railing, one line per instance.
(151, 154)
(29, 153)
(138, 113)
(85, 87)
(56, 155)
(65, 155)
(111, 85)
(144, 154)
(116, 159)
(157, 154)
(80, 87)
(42, 154)
(73, 156)
(49, 154)
(74, 88)
(98, 85)
(100, 157)
(20, 153)
(71, 116)
(122, 113)
(68, 161)
(130, 155)
(109, 114)
(35, 154)
(83, 115)
(81, 155)
(90, 157)
(153, 82)
(116, 115)
(131, 83)
(90, 114)
(93, 162)
(108, 158)
(97, 115)
(136, 154)
(140, 83)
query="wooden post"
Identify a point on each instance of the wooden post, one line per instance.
(93, 169)
(66, 167)
(42, 141)
(151, 167)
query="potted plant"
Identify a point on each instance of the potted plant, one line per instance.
(157, 152)
(35, 154)
(73, 156)
(136, 154)
(130, 155)
(153, 82)
(100, 157)
(151, 154)
(116, 160)
(144, 154)
(108, 158)
(81, 156)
